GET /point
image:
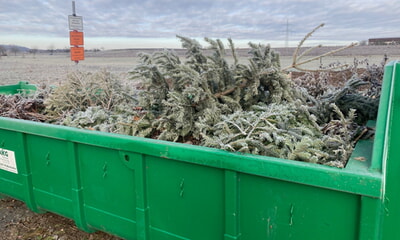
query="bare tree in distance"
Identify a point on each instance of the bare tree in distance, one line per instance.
(15, 50)
(33, 51)
(3, 51)
(51, 49)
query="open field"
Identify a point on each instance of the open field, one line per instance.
(54, 68)
(46, 68)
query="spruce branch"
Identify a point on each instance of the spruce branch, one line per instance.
(233, 51)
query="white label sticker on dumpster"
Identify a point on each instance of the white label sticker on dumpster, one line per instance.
(7, 161)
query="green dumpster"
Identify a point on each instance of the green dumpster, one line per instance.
(148, 189)
(21, 88)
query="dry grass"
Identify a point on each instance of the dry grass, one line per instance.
(53, 69)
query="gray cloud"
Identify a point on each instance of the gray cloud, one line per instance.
(356, 20)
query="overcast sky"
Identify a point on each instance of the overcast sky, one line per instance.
(155, 23)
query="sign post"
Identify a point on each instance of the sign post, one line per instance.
(75, 22)
(76, 36)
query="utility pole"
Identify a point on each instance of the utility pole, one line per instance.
(73, 9)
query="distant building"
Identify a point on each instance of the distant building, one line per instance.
(384, 41)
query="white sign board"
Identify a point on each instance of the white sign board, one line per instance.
(75, 23)
(7, 161)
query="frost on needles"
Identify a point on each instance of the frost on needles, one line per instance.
(247, 107)
(215, 98)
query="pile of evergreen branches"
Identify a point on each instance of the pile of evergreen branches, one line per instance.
(216, 101)
(251, 108)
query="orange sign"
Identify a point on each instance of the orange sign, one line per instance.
(77, 53)
(76, 38)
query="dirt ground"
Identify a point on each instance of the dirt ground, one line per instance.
(16, 220)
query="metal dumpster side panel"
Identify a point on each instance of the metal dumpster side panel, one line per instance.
(145, 189)
(51, 174)
(354, 180)
(282, 210)
(21, 87)
(391, 157)
(109, 189)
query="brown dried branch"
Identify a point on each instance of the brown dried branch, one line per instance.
(296, 57)
(231, 90)
(296, 53)
(15, 106)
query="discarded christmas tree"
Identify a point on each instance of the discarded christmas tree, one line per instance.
(251, 108)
